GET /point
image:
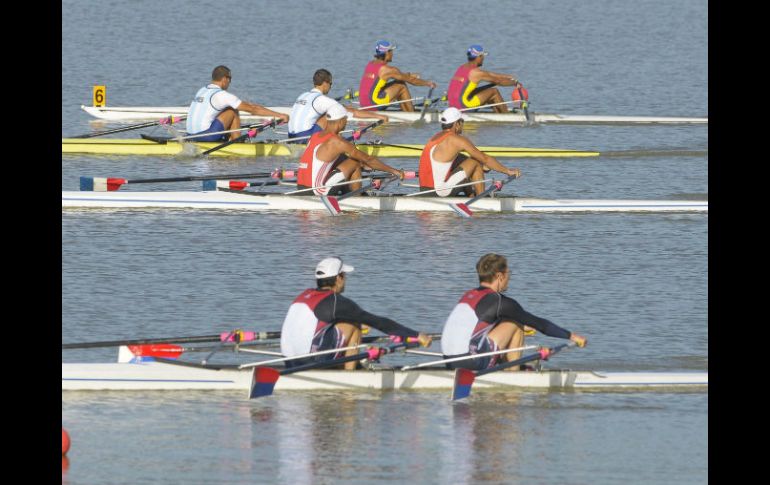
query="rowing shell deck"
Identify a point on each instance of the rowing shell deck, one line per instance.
(138, 146)
(388, 202)
(150, 113)
(162, 376)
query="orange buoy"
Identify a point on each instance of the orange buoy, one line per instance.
(65, 441)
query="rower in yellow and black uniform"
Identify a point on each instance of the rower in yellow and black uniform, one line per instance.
(464, 90)
(383, 84)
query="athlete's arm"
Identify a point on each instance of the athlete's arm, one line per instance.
(392, 72)
(464, 144)
(511, 310)
(496, 78)
(370, 161)
(365, 113)
(259, 110)
(347, 311)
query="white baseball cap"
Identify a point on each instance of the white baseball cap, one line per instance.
(450, 115)
(330, 267)
(336, 112)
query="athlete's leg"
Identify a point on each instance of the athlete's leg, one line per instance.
(474, 170)
(231, 120)
(508, 335)
(397, 91)
(351, 335)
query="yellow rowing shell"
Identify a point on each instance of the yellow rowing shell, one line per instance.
(115, 146)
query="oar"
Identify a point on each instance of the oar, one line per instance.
(445, 188)
(464, 377)
(466, 357)
(102, 184)
(255, 129)
(173, 351)
(217, 337)
(357, 134)
(264, 378)
(462, 207)
(297, 357)
(169, 120)
(212, 185)
(375, 106)
(332, 203)
(486, 106)
(425, 105)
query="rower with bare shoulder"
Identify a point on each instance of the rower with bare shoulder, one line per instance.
(322, 319)
(307, 114)
(329, 160)
(383, 84)
(443, 166)
(464, 90)
(485, 320)
(214, 110)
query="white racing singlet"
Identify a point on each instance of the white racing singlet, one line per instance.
(204, 109)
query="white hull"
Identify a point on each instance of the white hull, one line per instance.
(167, 377)
(244, 201)
(150, 113)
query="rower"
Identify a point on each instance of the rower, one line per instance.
(329, 159)
(485, 320)
(464, 91)
(443, 166)
(214, 110)
(322, 319)
(308, 110)
(383, 84)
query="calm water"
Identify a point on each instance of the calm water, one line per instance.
(635, 285)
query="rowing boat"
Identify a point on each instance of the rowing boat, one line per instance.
(167, 376)
(267, 201)
(139, 146)
(149, 113)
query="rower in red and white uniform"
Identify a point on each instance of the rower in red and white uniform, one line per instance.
(464, 90)
(322, 319)
(307, 114)
(214, 110)
(382, 84)
(329, 159)
(485, 320)
(443, 166)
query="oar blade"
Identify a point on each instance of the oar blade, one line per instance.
(148, 352)
(263, 381)
(332, 204)
(462, 385)
(462, 209)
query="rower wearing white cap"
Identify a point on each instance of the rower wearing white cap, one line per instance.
(307, 114)
(464, 90)
(443, 166)
(383, 84)
(323, 319)
(329, 159)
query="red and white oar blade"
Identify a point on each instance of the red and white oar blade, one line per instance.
(147, 353)
(332, 204)
(462, 386)
(263, 381)
(462, 209)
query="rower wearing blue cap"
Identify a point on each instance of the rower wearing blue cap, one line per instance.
(464, 90)
(384, 85)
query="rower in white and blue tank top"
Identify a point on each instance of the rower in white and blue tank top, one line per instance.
(209, 101)
(307, 109)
